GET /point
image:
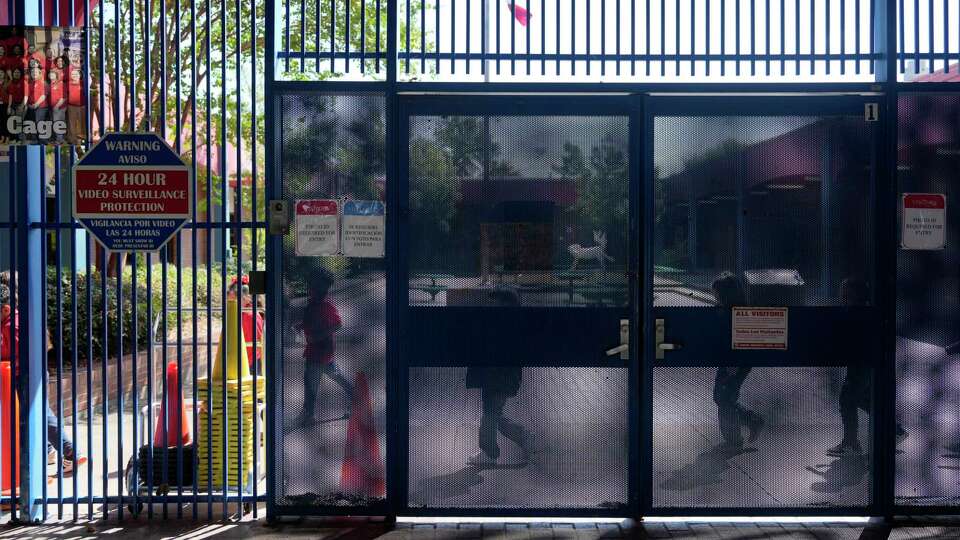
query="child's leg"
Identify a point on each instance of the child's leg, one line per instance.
(311, 380)
(493, 403)
(57, 436)
(334, 372)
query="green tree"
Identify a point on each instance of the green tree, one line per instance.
(433, 198)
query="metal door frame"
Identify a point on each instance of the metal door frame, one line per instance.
(883, 418)
(508, 105)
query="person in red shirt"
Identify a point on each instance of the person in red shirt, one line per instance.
(50, 57)
(16, 39)
(76, 117)
(4, 98)
(37, 105)
(9, 345)
(57, 99)
(18, 58)
(252, 322)
(16, 95)
(320, 322)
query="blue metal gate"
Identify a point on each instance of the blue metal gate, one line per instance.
(303, 100)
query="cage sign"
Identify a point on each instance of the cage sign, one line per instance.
(757, 328)
(924, 221)
(318, 228)
(132, 192)
(871, 112)
(363, 228)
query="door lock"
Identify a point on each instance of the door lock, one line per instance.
(624, 348)
(660, 330)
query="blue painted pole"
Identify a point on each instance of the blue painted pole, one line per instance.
(31, 327)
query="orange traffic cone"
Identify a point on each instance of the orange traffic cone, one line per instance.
(177, 424)
(363, 471)
(10, 452)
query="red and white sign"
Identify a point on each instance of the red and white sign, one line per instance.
(924, 221)
(318, 227)
(123, 192)
(756, 328)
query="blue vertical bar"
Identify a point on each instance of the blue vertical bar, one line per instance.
(827, 37)
(603, 37)
(736, 21)
(31, 325)
(753, 37)
(573, 38)
(676, 50)
(813, 37)
(796, 35)
(423, 35)
(707, 38)
(377, 44)
(843, 37)
(316, 37)
(633, 37)
(663, 38)
(453, 37)
(332, 38)
(513, 36)
(543, 36)
(693, 37)
(783, 38)
(930, 36)
(856, 34)
(916, 35)
(589, 15)
(346, 46)
(288, 46)
(270, 120)
(436, 14)
(527, 50)
(647, 36)
(557, 40)
(766, 41)
(723, 37)
(303, 36)
(467, 36)
(946, 36)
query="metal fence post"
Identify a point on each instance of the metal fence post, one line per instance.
(32, 352)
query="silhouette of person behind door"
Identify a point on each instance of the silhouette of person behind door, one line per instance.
(497, 384)
(732, 417)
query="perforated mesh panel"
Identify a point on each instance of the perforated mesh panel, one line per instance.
(928, 311)
(784, 202)
(332, 148)
(573, 421)
(538, 205)
(785, 466)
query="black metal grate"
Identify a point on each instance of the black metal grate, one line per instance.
(928, 310)
(507, 202)
(786, 466)
(782, 202)
(332, 147)
(573, 420)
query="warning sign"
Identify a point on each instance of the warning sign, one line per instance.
(132, 192)
(759, 328)
(363, 228)
(924, 221)
(317, 227)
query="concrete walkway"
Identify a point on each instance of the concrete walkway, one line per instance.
(362, 529)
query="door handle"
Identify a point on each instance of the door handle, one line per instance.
(624, 348)
(660, 331)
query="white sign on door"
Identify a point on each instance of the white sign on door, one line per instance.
(363, 228)
(924, 221)
(759, 328)
(317, 228)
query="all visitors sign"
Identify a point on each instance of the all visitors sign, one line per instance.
(132, 192)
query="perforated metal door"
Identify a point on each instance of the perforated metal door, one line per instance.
(518, 260)
(330, 418)
(762, 323)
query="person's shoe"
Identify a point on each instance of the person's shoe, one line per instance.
(70, 464)
(481, 459)
(730, 447)
(846, 449)
(754, 425)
